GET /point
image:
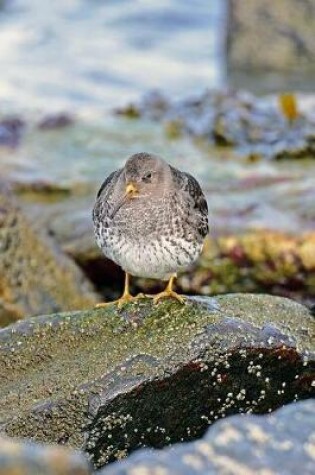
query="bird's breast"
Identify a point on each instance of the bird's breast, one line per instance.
(142, 217)
(151, 238)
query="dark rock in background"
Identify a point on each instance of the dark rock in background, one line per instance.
(11, 129)
(275, 37)
(56, 121)
(280, 443)
(109, 382)
(34, 277)
(257, 261)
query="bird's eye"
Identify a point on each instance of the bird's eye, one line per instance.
(147, 178)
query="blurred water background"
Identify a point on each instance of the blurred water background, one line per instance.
(70, 54)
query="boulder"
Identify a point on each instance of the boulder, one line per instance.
(34, 277)
(26, 458)
(279, 443)
(108, 382)
(274, 36)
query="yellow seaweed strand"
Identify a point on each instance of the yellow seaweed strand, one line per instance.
(288, 106)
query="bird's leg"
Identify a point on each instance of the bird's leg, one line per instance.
(125, 298)
(169, 292)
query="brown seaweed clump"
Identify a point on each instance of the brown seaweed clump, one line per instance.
(260, 261)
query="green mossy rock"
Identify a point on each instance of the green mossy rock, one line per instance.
(34, 277)
(108, 381)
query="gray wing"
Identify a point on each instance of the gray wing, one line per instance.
(190, 186)
(108, 184)
(104, 194)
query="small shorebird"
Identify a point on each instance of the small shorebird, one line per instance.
(151, 219)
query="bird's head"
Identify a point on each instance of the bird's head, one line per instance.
(144, 172)
(143, 175)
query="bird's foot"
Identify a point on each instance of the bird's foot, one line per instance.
(123, 300)
(170, 294)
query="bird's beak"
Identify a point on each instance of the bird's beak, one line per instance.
(130, 191)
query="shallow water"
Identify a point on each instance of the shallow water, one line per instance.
(78, 53)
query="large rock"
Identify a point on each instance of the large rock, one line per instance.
(35, 278)
(109, 382)
(269, 35)
(26, 458)
(279, 443)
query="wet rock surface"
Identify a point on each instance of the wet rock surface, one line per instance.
(34, 277)
(282, 442)
(26, 458)
(109, 382)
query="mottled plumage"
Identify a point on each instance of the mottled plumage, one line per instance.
(157, 229)
(156, 233)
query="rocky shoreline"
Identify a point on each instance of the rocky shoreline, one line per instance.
(107, 383)
(225, 383)
(280, 441)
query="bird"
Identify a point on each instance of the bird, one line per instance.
(151, 219)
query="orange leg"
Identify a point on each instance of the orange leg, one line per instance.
(125, 298)
(168, 292)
